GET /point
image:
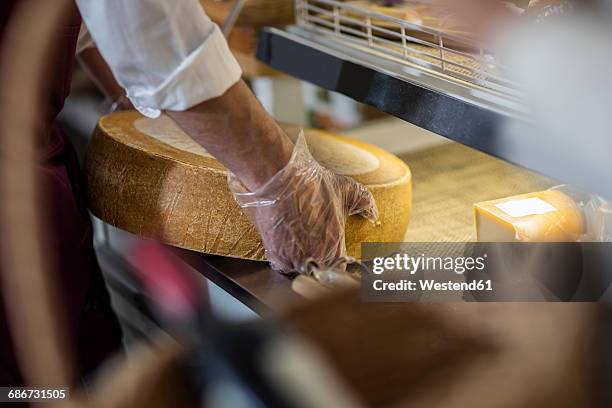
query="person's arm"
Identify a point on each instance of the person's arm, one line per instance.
(170, 56)
(97, 69)
(237, 130)
(253, 157)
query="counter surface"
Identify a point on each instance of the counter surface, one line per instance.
(252, 283)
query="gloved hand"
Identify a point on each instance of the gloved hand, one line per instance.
(301, 212)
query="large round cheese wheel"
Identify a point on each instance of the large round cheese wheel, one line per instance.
(148, 177)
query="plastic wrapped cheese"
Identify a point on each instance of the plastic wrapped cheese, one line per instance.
(148, 177)
(543, 216)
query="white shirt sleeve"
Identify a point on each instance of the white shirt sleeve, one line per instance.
(167, 54)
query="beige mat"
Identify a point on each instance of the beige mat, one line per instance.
(448, 179)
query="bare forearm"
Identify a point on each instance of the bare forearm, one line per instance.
(99, 72)
(238, 132)
(233, 127)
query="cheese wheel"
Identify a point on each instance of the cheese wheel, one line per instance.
(148, 177)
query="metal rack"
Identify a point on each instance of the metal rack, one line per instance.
(388, 63)
(434, 50)
(438, 80)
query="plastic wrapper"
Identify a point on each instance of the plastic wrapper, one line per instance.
(559, 214)
(301, 212)
(596, 214)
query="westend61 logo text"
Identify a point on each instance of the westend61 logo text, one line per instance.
(402, 269)
(413, 264)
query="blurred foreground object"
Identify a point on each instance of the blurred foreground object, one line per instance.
(562, 68)
(32, 301)
(485, 17)
(405, 354)
(459, 355)
(541, 10)
(276, 370)
(558, 55)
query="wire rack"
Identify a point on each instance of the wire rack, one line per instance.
(436, 51)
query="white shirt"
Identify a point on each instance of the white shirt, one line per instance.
(167, 54)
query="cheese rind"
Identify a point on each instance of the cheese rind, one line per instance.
(543, 216)
(139, 183)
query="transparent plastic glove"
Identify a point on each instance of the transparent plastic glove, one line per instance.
(301, 212)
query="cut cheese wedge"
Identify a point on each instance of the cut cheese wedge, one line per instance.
(544, 216)
(148, 177)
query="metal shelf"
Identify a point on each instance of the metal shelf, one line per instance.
(454, 109)
(465, 112)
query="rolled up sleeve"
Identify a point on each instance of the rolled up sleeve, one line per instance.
(168, 55)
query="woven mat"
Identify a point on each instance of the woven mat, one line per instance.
(448, 179)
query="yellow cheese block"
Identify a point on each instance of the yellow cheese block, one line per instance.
(148, 177)
(544, 216)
